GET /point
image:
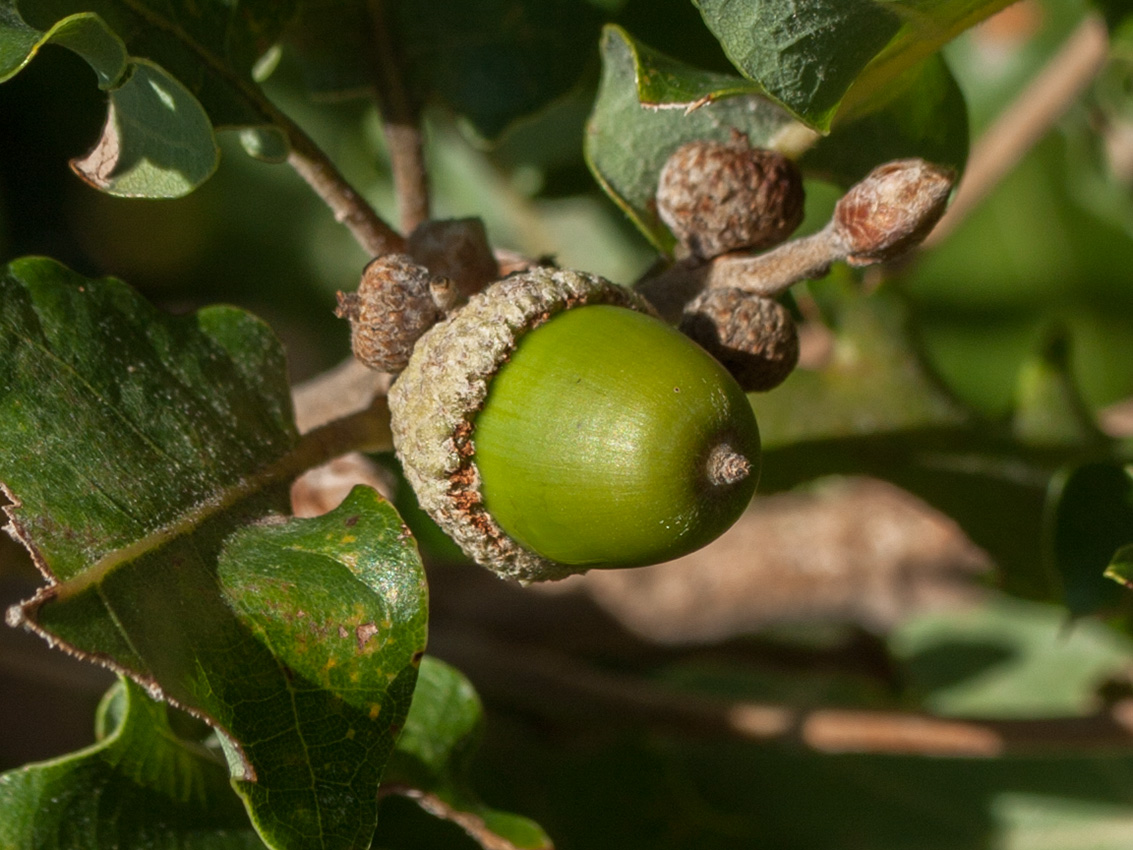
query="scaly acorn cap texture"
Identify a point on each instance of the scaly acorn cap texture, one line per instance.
(444, 386)
(754, 337)
(718, 197)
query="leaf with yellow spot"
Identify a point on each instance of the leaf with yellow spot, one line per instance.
(173, 562)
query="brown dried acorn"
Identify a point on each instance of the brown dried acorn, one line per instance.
(553, 424)
(752, 336)
(396, 302)
(718, 197)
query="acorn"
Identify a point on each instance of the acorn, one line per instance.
(754, 337)
(718, 197)
(554, 424)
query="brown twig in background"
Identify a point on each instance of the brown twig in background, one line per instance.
(346, 389)
(1030, 116)
(557, 686)
(401, 121)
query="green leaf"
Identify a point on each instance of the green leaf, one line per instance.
(157, 141)
(157, 414)
(1007, 658)
(140, 786)
(173, 72)
(339, 603)
(441, 732)
(1090, 518)
(664, 81)
(875, 409)
(921, 114)
(818, 57)
(1120, 567)
(432, 758)
(628, 137)
(804, 54)
(212, 48)
(1049, 408)
(492, 61)
(84, 34)
(171, 560)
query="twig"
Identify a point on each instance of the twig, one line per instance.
(349, 208)
(315, 167)
(346, 389)
(884, 215)
(401, 120)
(365, 430)
(555, 685)
(1027, 120)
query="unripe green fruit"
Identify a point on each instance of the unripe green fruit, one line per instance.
(553, 425)
(594, 443)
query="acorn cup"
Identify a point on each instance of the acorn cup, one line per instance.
(554, 424)
(718, 197)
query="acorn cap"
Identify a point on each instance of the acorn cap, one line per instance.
(718, 197)
(436, 398)
(754, 337)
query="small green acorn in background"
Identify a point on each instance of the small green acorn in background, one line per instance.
(554, 424)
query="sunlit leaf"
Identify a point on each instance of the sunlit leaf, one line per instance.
(818, 57)
(174, 561)
(157, 141)
(1121, 566)
(173, 72)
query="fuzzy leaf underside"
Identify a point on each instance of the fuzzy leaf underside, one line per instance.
(172, 72)
(148, 459)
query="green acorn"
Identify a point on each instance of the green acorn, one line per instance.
(554, 424)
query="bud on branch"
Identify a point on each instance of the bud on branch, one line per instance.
(890, 211)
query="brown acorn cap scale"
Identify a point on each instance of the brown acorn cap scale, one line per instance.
(434, 403)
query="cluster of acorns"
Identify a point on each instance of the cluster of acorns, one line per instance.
(717, 198)
(552, 422)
